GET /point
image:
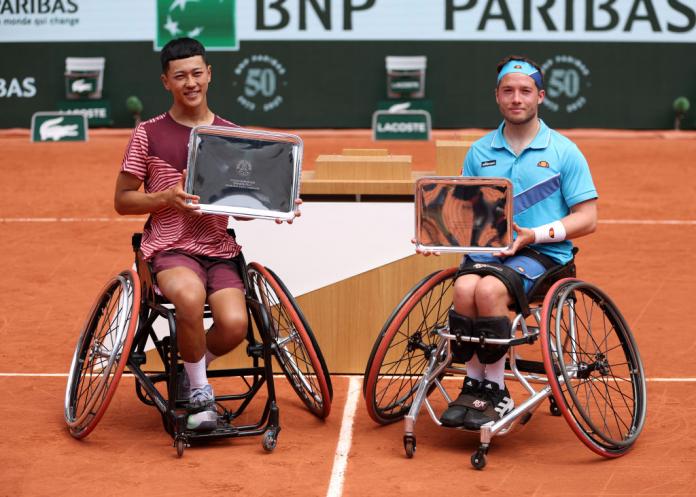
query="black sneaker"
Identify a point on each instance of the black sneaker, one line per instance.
(455, 414)
(493, 405)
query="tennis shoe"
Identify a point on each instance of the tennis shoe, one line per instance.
(202, 412)
(455, 414)
(493, 405)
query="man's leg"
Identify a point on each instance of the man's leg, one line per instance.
(464, 313)
(230, 321)
(492, 300)
(184, 288)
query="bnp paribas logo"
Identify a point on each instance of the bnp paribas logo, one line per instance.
(212, 22)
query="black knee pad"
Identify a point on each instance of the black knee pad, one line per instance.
(461, 326)
(492, 327)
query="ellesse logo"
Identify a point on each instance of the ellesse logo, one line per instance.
(552, 233)
(517, 66)
(542, 163)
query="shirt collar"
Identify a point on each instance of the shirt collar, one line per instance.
(540, 141)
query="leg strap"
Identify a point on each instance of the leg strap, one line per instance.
(461, 326)
(492, 327)
(506, 275)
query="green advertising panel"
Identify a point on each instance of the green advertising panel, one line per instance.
(405, 125)
(98, 112)
(56, 126)
(212, 22)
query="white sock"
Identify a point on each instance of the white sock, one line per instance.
(474, 369)
(496, 372)
(209, 357)
(196, 373)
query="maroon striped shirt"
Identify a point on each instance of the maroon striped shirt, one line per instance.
(157, 155)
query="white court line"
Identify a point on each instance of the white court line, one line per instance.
(675, 222)
(352, 378)
(338, 472)
(678, 222)
(72, 219)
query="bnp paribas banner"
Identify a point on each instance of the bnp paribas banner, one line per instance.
(225, 24)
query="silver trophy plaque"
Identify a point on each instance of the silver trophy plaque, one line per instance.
(463, 214)
(243, 172)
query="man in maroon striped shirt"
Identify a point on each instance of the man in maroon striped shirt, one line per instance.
(189, 251)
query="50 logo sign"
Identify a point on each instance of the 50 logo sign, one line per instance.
(259, 80)
(566, 78)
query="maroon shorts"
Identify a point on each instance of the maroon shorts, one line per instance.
(215, 274)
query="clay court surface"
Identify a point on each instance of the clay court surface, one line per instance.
(58, 252)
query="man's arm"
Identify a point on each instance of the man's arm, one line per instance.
(128, 199)
(581, 221)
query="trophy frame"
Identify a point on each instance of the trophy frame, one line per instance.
(488, 199)
(243, 187)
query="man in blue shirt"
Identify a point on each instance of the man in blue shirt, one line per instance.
(555, 200)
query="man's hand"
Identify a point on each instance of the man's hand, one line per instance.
(525, 236)
(177, 198)
(425, 252)
(298, 202)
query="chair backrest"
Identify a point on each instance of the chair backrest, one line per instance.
(147, 283)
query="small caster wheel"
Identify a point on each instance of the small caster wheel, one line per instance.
(270, 440)
(180, 444)
(409, 445)
(478, 459)
(553, 407)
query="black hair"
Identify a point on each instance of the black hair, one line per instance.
(523, 59)
(181, 48)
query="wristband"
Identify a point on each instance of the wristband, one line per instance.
(549, 233)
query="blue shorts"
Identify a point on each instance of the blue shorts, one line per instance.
(529, 268)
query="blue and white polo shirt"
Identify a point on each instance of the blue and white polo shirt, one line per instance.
(549, 177)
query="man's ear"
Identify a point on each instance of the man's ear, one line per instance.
(165, 83)
(542, 95)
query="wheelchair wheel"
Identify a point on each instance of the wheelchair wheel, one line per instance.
(102, 353)
(295, 346)
(593, 366)
(403, 347)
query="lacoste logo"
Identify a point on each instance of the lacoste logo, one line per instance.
(542, 163)
(50, 129)
(488, 163)
(81, 86)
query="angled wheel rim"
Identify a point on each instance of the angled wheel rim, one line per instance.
(593, 378)
(294, 349)
(103, 362)
(430, 301)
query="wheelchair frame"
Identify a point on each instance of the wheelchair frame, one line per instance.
(120, 326)
(398, 386)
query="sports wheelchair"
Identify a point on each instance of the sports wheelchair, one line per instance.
(590, 368)
(120, 327)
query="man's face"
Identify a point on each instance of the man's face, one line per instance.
(518, 98)
(187, 80)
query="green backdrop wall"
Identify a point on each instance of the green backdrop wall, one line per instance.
(331, 84)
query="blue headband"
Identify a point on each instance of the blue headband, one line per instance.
(524, 68)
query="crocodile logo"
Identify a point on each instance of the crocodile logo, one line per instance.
(51, 129)
(81, 86)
